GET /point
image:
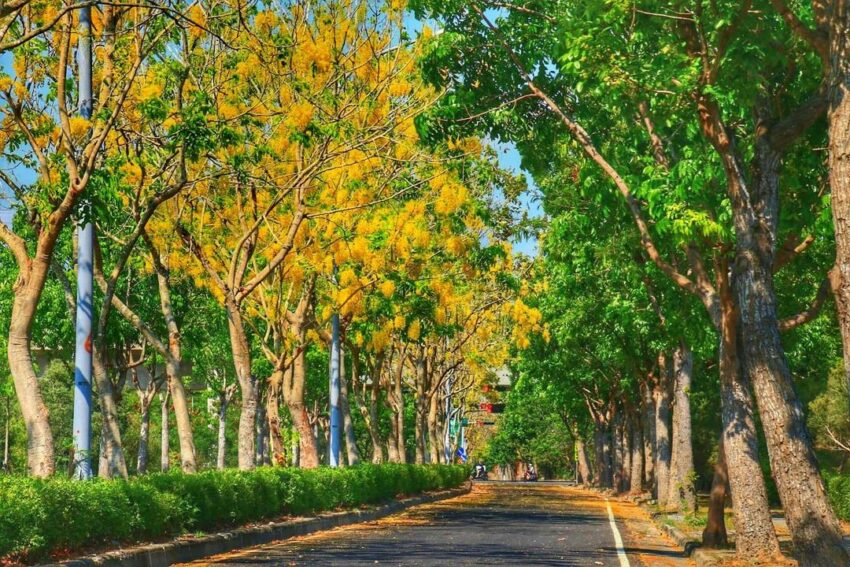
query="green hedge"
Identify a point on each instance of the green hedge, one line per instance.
(38, 517)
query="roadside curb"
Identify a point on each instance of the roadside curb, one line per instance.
(181, 551)
(692, 547)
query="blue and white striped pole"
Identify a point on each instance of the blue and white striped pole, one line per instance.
(335, 413)
(85, 266)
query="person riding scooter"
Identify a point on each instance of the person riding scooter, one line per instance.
(479, 472)
(530, 473)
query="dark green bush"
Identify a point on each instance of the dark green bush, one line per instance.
(38, 517)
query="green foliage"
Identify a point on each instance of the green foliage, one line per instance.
(838, 489)
(38, 516)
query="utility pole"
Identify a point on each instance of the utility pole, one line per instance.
(335, 413)
(85, 265)
(447, 441)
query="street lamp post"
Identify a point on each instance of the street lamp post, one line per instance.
(85, 265)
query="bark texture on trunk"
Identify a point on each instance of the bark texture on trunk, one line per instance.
(714, 535)
(637, 447)
(144, 436)
(241, 352)
(583, 463)
(648, 405)
(294, 393)
(838, 117)
(682, 477)
(40, 453)
(755, 535)
(180, 402)
(663, 449)
(277, 445)
(813, 525)
(351, 450)
(112, 461)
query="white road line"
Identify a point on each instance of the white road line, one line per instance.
(618, 540)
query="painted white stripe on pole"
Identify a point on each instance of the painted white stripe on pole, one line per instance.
(618, 541)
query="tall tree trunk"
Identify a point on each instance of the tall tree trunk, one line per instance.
(618, 454)
(682, 474)
(373, 422)
(112, 458)
(144, 436)
(40, 454)
(583, 463)
(637, 448)
(294, 394)
(714, 534)
(277, 444)
(393, 453)
(838, 117)
(648, 408)
(351, 450)
(164, 437)
(602, 446)
(663, 449)
(241, 352)
(755, 536)
(813, 525)
(180, 402)
(435, 440)
(398, 406)
(626, 460)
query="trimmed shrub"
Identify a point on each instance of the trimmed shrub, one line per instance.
(39, 517)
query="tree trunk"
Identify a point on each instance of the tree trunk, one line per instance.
(277, 445)
(583, 463)
(682, 473)
(648, 405)
(260, 456)
(435, 440)
(164, 463)
(241, 352)
(180, 404)
(374, 424)
(112, 461)
(222, 432)
(40, 454)
(754, 533)
(626, 449)
(602, 445)
(351, 450)
(392, 441)
(663, 450)
(618, 454)
(838, 117)
(294, 393)
(144, 436)
(637, 447)
(814, 527)
(714, 534)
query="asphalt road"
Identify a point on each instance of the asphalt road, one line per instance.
(497, 524)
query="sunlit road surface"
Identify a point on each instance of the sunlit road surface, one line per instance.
(496, 524)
